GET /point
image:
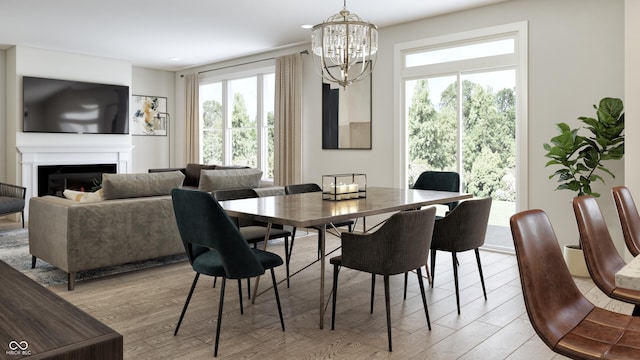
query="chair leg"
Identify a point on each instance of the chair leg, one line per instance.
(249, 288)
(286, 257)
(215, 280)
(215, 351)
(22, 216)
(72, 281)
(433, 267)
(406, 279)
(33, 262)
(387, 301)
(240, 296)
(424, 298)
(335, 291)
(373, 287)
(275, 290)
(636, 311)
(484, 291)
(454, 260)
(186, 304)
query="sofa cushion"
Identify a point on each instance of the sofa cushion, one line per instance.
(122, 186)
(81, 196)
(212, 180)
(192, 173)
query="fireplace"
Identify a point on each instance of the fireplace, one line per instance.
(54, 179)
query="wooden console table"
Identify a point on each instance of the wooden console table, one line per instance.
(38, 324)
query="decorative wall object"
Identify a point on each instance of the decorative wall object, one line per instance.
(149, 115)
(346, 115)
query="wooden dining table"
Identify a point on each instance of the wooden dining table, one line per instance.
(309, 209)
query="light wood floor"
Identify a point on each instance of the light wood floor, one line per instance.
(144, 307)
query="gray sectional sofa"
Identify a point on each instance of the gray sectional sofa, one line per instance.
(133, 222)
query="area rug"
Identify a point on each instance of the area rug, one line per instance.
(14, 250)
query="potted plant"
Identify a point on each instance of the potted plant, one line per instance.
(580, 159)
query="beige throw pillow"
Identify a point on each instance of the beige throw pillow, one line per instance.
(212, 180)
(123, 186)
(81, 196)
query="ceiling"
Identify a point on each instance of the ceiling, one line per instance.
(174, 35)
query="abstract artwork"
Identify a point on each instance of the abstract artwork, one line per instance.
(149, 115)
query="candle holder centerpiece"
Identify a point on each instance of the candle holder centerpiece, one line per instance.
(344, 186)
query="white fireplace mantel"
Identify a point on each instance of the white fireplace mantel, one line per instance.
(33, 156)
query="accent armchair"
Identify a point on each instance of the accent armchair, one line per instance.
(12, 200)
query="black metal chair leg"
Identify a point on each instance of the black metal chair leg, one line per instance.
(215, 351)
(186, 304)
(636, 310)
(454, 260)
(249, 288)
(484, 291)
(275, 290)
(424, 298)
(240, 296)
(286, 258)
(373, 287)
(335, 291)
(215, 280)
(33, 262)
(387, 301)
(433, 266)
(406, 279)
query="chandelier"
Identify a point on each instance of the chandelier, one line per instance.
(345, 46)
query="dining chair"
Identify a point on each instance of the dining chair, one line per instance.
(600, 254)
(306, 188)
(253, 231)
(215, 247)
(399, 245)
(439, 181)
(462, 229)
(629, 218)
(561, 315)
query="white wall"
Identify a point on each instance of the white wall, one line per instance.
(152, 152)
(3, 112)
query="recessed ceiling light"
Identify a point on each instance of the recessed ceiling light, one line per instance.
(306, 26)
(174, 59)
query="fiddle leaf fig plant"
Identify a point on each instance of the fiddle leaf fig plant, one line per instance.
(580, 158)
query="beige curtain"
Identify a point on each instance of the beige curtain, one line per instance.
(192, 119)
(288, 120)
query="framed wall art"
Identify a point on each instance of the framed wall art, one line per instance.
(149, 115)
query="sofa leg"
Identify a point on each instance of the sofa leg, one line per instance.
(33, 262)
(72, 281)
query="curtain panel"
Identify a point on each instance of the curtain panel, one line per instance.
(192, 118)
(288, 120)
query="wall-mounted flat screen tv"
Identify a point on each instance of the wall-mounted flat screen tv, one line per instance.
(64, 106)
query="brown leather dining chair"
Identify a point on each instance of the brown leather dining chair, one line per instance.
(629, 218)
(600, 254)
(563, 318)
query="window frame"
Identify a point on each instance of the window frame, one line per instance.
(225, 77)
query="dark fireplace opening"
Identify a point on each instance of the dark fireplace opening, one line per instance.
(54, 179)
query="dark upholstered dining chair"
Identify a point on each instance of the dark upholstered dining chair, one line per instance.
(400, 245)
(600, 254)
(306, 188)
(12, 200)
(439, 181)
(560, 314)
(215, 247)
(462, 229)
(253, 231)
(629, 218)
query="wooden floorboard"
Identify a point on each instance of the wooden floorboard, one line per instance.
(144, 307)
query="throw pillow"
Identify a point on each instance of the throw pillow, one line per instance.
(123, 186)
(81, 196)
(192, 173)
(212, 180)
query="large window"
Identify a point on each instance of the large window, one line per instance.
(461, 96)
(236, 120)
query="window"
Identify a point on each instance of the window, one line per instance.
(237, 119)
(463, 98)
